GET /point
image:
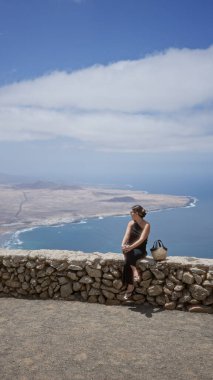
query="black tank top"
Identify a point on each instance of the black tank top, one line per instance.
(135, 234)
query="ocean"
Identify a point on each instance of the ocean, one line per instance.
(184, 231)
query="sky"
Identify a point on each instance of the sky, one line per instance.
(107, 91)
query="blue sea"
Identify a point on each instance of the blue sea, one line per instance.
(184, 231)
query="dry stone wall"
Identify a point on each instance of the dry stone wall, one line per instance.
(177, 283)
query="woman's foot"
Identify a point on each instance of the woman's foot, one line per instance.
(127, 295)
(129, 292)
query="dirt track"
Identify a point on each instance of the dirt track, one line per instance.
(61, 340)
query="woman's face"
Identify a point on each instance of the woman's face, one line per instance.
(133, 215)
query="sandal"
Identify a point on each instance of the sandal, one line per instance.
(127, 295)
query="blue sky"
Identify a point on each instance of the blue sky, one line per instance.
(106, 90)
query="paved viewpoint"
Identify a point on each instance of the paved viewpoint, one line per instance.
(42, 340)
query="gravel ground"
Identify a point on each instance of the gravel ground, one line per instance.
(61, 340)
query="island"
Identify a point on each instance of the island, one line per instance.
(45, 203)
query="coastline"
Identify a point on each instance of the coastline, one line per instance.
(12, 238)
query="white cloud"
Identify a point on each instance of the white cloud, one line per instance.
(162, 102)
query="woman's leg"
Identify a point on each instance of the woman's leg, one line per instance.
(136, 254)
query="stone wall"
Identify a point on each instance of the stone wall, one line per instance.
(177, 283)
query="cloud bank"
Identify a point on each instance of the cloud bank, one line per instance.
(162, 102)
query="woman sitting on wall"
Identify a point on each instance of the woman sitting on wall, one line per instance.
(134, 247)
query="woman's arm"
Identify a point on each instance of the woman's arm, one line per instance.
(127, 234)
(142, 238)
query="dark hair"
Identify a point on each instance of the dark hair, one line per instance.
(140, 210)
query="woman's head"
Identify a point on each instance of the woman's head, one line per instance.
(137, 209)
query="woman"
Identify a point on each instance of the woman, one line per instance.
(134, 247)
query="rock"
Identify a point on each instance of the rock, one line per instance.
(72, 276)
(74, 267)
(76, 286)
(86, 280)
(92, 299)
(6, 263)
(6, 276)
(111, 302)
(30, 264)
(178, 288)
(146, 283)
(146, 275)
(108, 294)
(170, 306)
(44, 295)
(138, 297)
(112, 290)
(33, 273)
(66, 290)
(84, 295)
(198, 292)
(198, 279)
(175, 295)
(108, 276)
(62, 267)
(25, 285)
(179, 274)
(96, 285)
(180, 306)
(155, 290)
(208, 283)
(115, 272)
(94, 292)
(170, 285)
(117, 284)
(160, 300)
(141, 290)
(101, 299)
(200, 309)
(197, 271)
(41, 273)
(157, 282)
(21, 277)
(105, 269)
(174, 279)
(93, 272)
(188, 278)
(13, 284)
(81, 273)
(193, 301)
(38, 289)
(63, 280)
(33, 282)
(21, 269)
(167, 291)
(107, 282)
(50, 291)
(208, 300)
(40, 266)
(158, 274)
(49, 271)
(151, 300)
(209, 276)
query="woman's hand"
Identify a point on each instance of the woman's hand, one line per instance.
(126, 248)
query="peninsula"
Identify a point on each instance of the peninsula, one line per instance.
(45, 203)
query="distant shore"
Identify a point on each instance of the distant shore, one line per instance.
(25, 207)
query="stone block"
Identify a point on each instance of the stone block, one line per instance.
(66, 290)
(155, 290)
(188, 278)
(198, 292)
